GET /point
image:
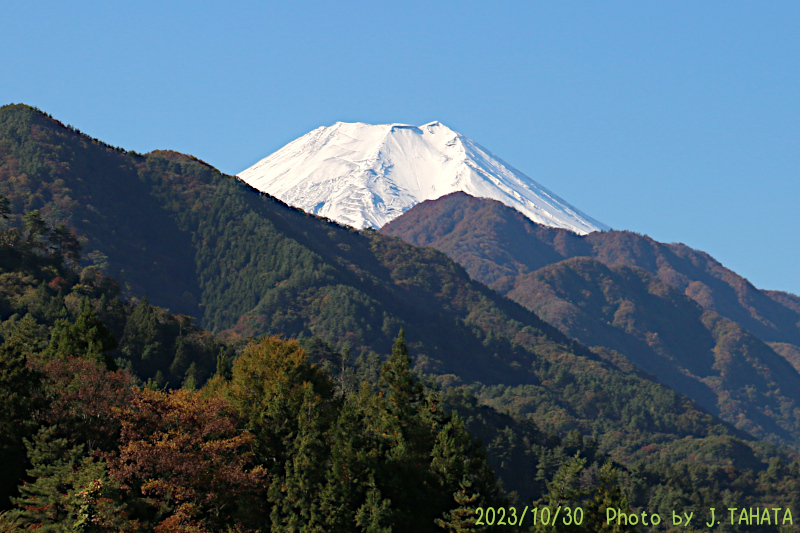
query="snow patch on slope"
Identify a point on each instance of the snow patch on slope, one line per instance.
(365, 175)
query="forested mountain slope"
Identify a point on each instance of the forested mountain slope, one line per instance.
(260, 267)
(550, 411)
(496, 243)
(673, 311)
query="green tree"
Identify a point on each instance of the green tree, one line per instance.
(563, 490)
(224, 365)
(295, 496)
(464, 517)
(143, 341)
(36, 227)
(607, 495)
(69, 492)
(352, 461)
(18, 389)
(65, 244)
(5, 207)
(86, 337)
(466, 480)
(375, 515)
(403, 392)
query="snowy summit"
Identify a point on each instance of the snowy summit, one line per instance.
(365, 175)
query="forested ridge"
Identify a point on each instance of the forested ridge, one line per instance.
(130, 417)
(672, 311)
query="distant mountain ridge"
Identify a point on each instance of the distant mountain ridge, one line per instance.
(496, 245)
(365, 175)
(673, 311)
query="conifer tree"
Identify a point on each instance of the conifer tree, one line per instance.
(464, 517)
(191, 379)
(403, 392)
(180, 363)
(223, 365)
(69, 491)
(295, 496)
(142, 341)
(36, 227)
(607, 495)
(563, 490)
(351, 463)
(65, 244)
(375, 515)
(5, 207)
(86, 337)
(18, 387)
(466, 480)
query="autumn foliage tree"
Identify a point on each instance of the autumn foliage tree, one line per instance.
(182, 462)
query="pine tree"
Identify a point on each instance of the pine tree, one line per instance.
(65, 244)
(608, 495)
(18, 388)
(180, 363)
(191, 379)
(5, 207)
(463, 473)
(464, 517)
(403, 391)
(142, 340)
(36, 227)
(563, 490)
(352, 460)
(295, 496)
(223, 365)
(86, 337)
(69, 491)
(375, 516)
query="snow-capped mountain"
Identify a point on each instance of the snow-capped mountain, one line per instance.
(365, 175)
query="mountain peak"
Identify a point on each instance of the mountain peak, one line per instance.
(365, 175)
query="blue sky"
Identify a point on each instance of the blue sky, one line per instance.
(680, 120)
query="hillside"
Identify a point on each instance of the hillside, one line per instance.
(261, 267)
(543, 403)
(673, 311)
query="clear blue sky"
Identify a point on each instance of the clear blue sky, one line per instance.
(680, 120)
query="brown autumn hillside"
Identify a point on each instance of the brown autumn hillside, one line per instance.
(673, 311)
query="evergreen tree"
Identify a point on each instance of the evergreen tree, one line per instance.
(5, 207)
(403, 392)
(375, 515)
(180, 363)
(142, 340)
(607, 495)
(464, 517)
(65, 244)
(36, 227)
(295, 496)
(224, 365)
(564, 489)
(464, 475)
(86, 337)
(69, 491)
(352, 461)
(18, 387)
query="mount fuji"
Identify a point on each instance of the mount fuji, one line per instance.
(365, 175)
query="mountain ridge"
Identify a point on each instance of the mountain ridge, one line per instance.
(364, 175)
(664, 307)
(262, 267)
